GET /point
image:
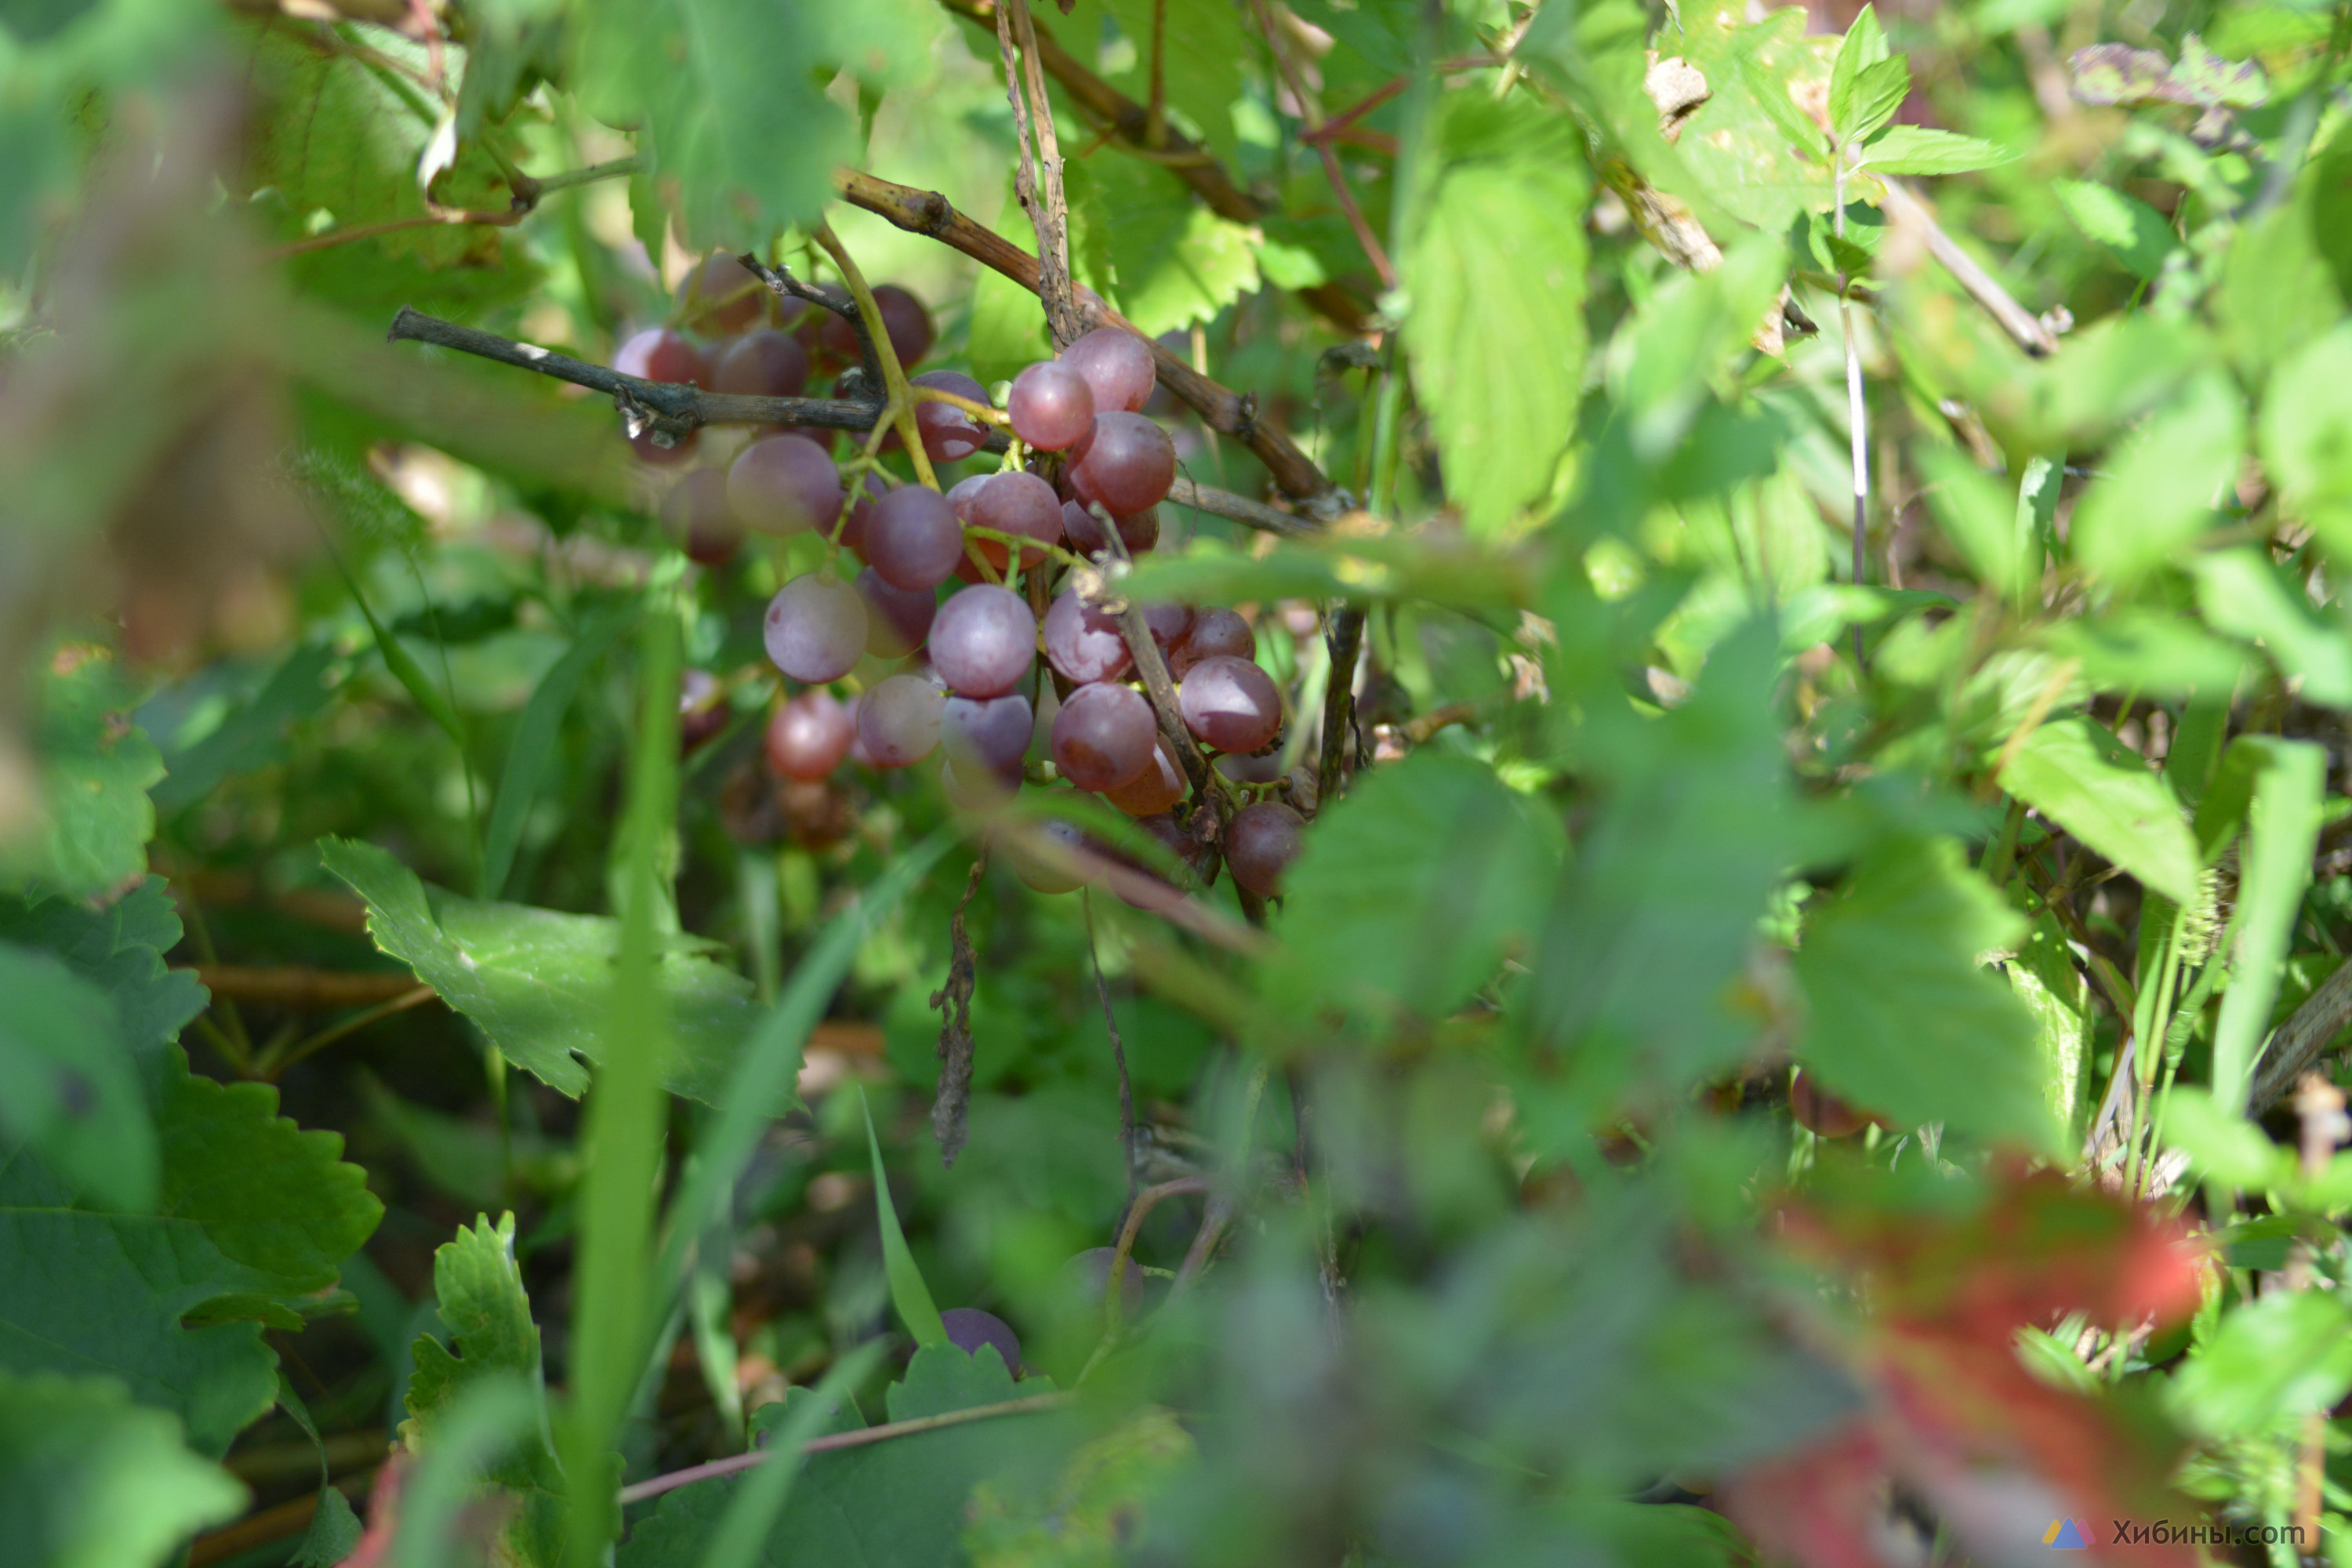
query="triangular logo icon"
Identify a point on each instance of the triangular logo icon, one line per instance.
(2064, 1536)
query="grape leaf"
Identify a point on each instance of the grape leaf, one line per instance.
(254, 1214)
(120, 949)
(2081, 777)
(88, 1479)
(1410, 888)
(1496, 332)
(536, 981)
(68, 1085)
(1165, 259)
(1201, 74)
(902, 1500)
(1901, 1019)
(91, 832)
(487, 1313)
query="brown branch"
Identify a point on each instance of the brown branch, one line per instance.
(1345, 641)
(312, 990)
(1145, 1202)
(951, 1106)
(1238, 508)
(1229, 413)
(2297, 1043)
(1907, 210)
(1310, 112)
(784, 285)
(1039, 183)
(1037, 1404)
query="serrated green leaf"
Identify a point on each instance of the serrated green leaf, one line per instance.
(2222, 1146)
(119, 949)
(908, 1294)
(491, 1419)
(1981, 516)
(2288, 1353)
(2159, 491)
(67, 1083)
(254, 1214)
(1202, 71)
(761, 1497)
(1089, 1514)
(1862, 49)
(1750, 148)
(1878, 92)
(1495, 334)
(1167, 260)
(2117, 73)
(2276, 294)
(2134, 232)
(1917, 150)
(1899, 1016)
(2081, 777)
(1410, 888)
(2203, 78)
(88, 836)
(334, 1534)
(536, 981)
(88, 1479)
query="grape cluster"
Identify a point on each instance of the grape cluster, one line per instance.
(935, 577)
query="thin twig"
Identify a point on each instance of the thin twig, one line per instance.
(1037, 181)
(1223, 1201)
(271, 1065)
(787, 287)
(1905, 207)
(736, 1463)
(1312, 114)
(1155, 114)
(2297, 1043)
(1145, 1202)
(951, 1105)
(320, 990)
(1345, 642)
(1118, 1046)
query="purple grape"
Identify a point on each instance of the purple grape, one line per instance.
(1213, 632)
(816, 628)
(1260, 844)
(870, 491)
(1229, 703)
(1083, 642)
(1018, 503)
(991, 735)
(1118, 367)
(765, 363)
(904, 319)
(913, 539)
(810, 325)
(1051, 406)
(1170, 624)
(964, 494)
(1160, 894)
(659, 354)
(899, 720)
(1127, 464)
(949, 433)
(808, 736)
(784, 485)
(1160, 786)
(1139, 533)
(1102, 736)
(719, 294)
(897, 620)
(1034, 870)
(696, 513)
(701, 710)
(983, 641)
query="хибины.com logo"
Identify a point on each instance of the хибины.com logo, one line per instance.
(2066, 1535)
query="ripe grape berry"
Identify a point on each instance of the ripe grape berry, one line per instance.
(1019, 504)
(1031, 850)
(1103, 736)
(983, 641)
(659, 354)
(1085, 1281)
(1229, 703)
(696, 513)
(1051, 406)
(808, 736)
(899, 720)
(897, 620)
(904, 319)
(721, 295)
(948, 433)
(1127, 463)
(1214, 633)
(765, 363)
(1139, 533)
(816, 628)
(968, 1328)
(1260, 845)
(913, 539)
(1157, 894)
(1083, 642)
(987, 735)
(1117, 368)
(1160, 786)
(1170, 624)
(784, 485)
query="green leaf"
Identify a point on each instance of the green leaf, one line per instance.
(1661, 365)
(1411, 888)
(2276, 294)
(1863, 48)
(89, 1480)
(1900, 1016)
(254, 733)
(2046, 980)
(1917, 150)
(67, 1084)
(2241, 592)
(334, 1534)
(1981, 518)
(2159, 491)
(1750, 148)
(2079, 776)
(1165, 259)
(534, 746)
(763, 1493)
(908, 1294)
(2284, 1355)
(2154, 652)
(2203, 78)
(487, 1314)
(537, 981)
(1008, 326)
(900, 1501)
(119, 949)
(476, 1436)
(2132, 231)
(1878, 92)
(2117, 73)
(2274, 867)
(1202, 71)
(2306, 433)
(255, 1216)
(1495, 331)
(89, 835)
(2222, 1146)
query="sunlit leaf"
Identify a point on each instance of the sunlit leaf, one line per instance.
(89, 1480)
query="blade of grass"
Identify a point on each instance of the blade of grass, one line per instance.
(762, 1498)
(404, 667)
(2282, 834)
(907, 1291)
(615, 1313)
(534, 746)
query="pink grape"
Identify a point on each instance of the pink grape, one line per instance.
(989, 735)
(784, 485)
(853, 528)
(1160, 786)
(1051, 406)
(1229, 703)
(809, 735)
(1213, 632)
(696, 513)
(1083, 642)
(948, 432)
(913, 539)
(899, 720)
(1139, 533)
(1118, 367)
(983, 641)
(1169, 624)
(659, 354)
(810, 326)
(1020, 503)
(1127, 464)
(897, 620)
(765, 363)
(1260, 846)
(1031, 867)
(1102, 736)
(816, 628)
(964, 494)
(908, 324)
(719, 294)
